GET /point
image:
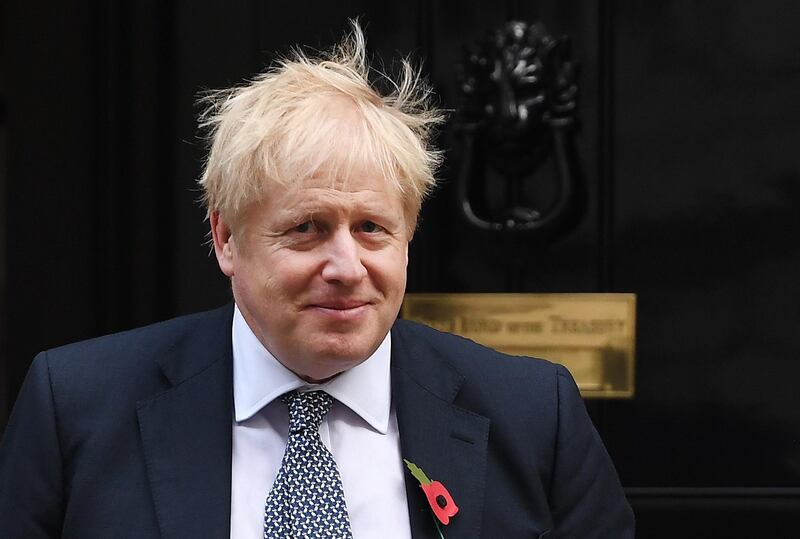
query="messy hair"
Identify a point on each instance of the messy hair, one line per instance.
(284, 126)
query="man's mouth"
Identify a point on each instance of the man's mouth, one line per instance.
(341, 304)
(341, 310)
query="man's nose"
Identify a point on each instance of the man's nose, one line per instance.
(343, 260)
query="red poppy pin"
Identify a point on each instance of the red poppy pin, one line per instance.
(439, 498)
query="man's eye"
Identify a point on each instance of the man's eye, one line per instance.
(305, 227)
(370, 227)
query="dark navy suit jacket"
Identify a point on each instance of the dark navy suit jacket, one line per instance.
(129, 436)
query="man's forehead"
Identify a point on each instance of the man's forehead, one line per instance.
(325, 186)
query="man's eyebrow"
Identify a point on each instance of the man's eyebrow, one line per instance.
(298, 214)
(374, 206)
(300, 208)
(303, 209)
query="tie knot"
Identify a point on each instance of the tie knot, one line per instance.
(306, 409)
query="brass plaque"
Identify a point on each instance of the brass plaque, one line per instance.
(592, 335)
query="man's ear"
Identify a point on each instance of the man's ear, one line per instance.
(223, 243)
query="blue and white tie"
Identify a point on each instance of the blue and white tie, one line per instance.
(307, 498)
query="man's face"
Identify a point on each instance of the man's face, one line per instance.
(319, 270)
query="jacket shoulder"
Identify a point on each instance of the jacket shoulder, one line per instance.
(488, 376)
(467, 356)
(131, 359)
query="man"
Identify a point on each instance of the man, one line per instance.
(302, 409)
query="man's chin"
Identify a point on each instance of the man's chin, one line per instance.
(323, 369)
(338, 352)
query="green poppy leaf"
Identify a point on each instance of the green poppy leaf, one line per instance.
(417, 472)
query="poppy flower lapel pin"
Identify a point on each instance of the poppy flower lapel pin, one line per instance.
(440, 500)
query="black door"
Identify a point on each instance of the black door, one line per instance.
(687, 139)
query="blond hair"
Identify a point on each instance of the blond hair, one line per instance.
(284, 127)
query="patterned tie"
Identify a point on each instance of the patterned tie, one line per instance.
(307, 498)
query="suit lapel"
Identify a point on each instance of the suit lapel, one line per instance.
(186, 434)
(448, 442)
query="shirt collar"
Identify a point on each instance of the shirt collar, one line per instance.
(259, 378)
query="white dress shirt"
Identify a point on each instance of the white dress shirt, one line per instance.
(360, 430)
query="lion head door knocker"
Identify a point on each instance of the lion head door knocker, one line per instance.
(520, 101)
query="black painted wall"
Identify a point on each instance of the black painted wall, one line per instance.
(688, 142)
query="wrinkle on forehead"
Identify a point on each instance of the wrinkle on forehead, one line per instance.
(310, 200)
(354, 180)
